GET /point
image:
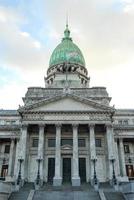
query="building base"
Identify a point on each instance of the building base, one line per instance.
(57, 181)
(76, 181)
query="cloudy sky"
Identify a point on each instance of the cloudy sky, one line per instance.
(31, 29)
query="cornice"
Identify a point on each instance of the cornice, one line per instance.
(123, 127)
(10, 127)
(65, 95)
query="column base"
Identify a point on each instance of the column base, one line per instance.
(57, 181)
(76, 181)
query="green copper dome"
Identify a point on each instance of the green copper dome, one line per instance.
(67, 51)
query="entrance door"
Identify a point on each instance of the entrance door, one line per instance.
(4, 171)
(130, 171)
(51, 169)
(66, 170)
(82, 169)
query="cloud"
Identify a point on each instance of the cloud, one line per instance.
(21, 49)
(103, 30)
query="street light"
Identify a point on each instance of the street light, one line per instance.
(19, 175)
(114, 177)
(38, 173)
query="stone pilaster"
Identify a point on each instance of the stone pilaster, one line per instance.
(57, 180)
(11, 157)
(109, 135)
(92, 148)
(75, 172)
(122, 157)
(41, 148)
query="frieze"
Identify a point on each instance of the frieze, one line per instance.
(66, 116)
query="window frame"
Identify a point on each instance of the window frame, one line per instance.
(5, 150)
(37, 142)
(99, 142)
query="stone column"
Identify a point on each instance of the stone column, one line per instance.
(109, 135)
(16, 169)
(75, 171)
(11, 157)
(122, 157)
(23, 150)
(92, 148)
(41, 149)
(57, 180)
(117, 167)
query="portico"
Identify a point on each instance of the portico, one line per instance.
(68, 143)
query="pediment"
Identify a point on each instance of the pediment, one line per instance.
(66, 103)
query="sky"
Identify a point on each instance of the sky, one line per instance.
(31, 29)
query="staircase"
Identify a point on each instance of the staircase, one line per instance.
(23, 193)
(114, 196)
(110, 193)
(66, 192)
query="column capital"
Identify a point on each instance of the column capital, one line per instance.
(120, 139)
(75, 125)
(41, 125)
(109, 125)
(58, 125)
(24, 126)
(91, 125)
(12, 139)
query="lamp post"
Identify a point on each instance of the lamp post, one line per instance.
(19, 175)
(38, 172)
(95, 176)
(114, 177)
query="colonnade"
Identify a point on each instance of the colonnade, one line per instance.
(57, 181)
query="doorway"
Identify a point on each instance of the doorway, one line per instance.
(66, 170)
(130, 171)
(51, 169)
(82, 169)
(4, 172)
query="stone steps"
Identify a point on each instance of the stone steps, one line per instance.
(66, 195)
(114, 196)
(23, 193)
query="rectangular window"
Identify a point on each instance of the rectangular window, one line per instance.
(125, 122)
(51, 142)
(66, 142)
(35, 142)
(126, 148)
(98, 142)
(7, 149)
(81, 143)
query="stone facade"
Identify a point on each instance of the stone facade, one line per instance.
(67, 132)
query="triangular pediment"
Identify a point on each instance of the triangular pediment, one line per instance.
(65, 103)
